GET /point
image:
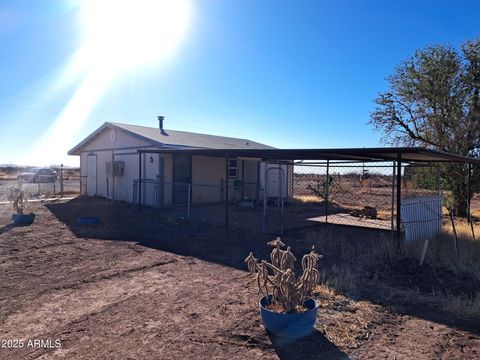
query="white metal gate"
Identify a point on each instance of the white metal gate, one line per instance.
(422, 217)
(274, 196)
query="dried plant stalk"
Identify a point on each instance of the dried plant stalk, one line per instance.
(18, 197)
(278, 277)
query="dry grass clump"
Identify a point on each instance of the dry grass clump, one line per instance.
(442, 250)
(345, 322)
(463, 305)
(380, 270)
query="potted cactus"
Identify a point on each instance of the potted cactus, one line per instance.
(286, 308)
(18, 197)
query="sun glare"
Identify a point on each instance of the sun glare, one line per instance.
(116, 36)
(124, 33)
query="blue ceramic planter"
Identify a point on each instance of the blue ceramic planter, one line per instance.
(289, 326)
(88, 220)
(26, 219)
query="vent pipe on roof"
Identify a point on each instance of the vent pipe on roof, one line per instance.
(160, 124)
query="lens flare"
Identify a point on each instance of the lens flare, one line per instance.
(117, 36)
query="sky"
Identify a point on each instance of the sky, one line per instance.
(291, 74)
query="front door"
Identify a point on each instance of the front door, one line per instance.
(91, 175)
(182, 175)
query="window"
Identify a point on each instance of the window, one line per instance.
(232, 168)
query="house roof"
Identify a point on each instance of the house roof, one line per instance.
(405, 154)
(183, 142)
(173, 138)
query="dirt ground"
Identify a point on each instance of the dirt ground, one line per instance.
(146, 286)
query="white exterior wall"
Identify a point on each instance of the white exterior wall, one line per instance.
(123, 185)
(123, 148)
(123, 141)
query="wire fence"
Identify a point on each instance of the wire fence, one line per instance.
(294, 196)
(68, 186)
(344, 193)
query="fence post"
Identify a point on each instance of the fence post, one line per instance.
(221, 188)
(61, 180)
(392, 210)
(139, 181)
(327, 188)
(280, 182)
(455, 238)
(257, 190)
(226, 189)
(399, 197)
(469, 191)
(438, 180)
(134, 194)
(265, 199)
(189, 189)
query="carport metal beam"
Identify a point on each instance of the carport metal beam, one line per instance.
(409, 154)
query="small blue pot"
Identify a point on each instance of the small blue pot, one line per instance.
(88, 220)
(26, 219)
(290, 326)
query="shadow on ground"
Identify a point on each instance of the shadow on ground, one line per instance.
(315, 346)
(230, 246)
(155, 229)
(6, 228)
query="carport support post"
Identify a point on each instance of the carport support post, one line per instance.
(469, 189)
(61, 180)
(327, 188)
(392, 210)
(226, 189)
(399, 196)
(139, 181)
(438, 180)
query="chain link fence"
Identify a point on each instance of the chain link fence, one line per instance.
(202, 202)
(346, 193)
(67, 185)
(290, 196)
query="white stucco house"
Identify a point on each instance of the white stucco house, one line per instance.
(109, 167)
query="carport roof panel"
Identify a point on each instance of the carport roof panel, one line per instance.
(408, 154)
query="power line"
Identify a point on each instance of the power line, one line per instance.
(122, 115)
